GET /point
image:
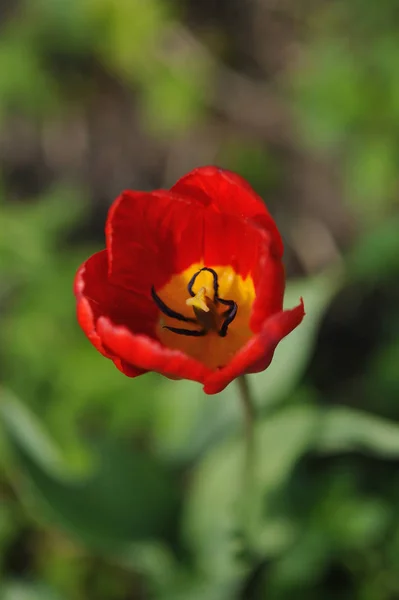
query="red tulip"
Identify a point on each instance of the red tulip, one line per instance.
(190, 284)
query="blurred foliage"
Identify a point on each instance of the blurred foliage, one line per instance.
(113, 489)
(348, 96)
(50, 37)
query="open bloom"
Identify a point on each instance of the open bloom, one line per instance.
(190, 284)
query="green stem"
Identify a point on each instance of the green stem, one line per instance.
(249, 420)
(249, 459)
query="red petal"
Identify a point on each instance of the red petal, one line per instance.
(150, 237)
(148, 354)
(105, 299)
(230, 194)
(96, 297)
(258, 352)
(231, 241)
(269, 278)
(126, 369)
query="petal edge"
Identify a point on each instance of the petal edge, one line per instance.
(257, 354)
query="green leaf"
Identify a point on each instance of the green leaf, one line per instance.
(293, 353)
(128, 497)
(211, 518)
(25, 430)
(15, 590)
(342, 429)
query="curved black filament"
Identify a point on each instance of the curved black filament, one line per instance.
(215, 283)
(230, 314)
(169, 312)
(190, 332)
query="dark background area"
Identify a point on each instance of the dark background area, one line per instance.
(114, 489)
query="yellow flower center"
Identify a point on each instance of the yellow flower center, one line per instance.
(212, 324)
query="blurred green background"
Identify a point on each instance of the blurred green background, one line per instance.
(119, 489)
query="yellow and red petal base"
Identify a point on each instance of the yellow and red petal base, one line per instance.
(212, 350)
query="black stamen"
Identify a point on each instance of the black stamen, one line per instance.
(189, 332)
(230, 315)
(168, 311)
(215, 283)
(226, 302)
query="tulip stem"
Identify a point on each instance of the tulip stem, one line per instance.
(249, 459)
(249, 419)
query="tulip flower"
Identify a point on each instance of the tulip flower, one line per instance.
(190, 284)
